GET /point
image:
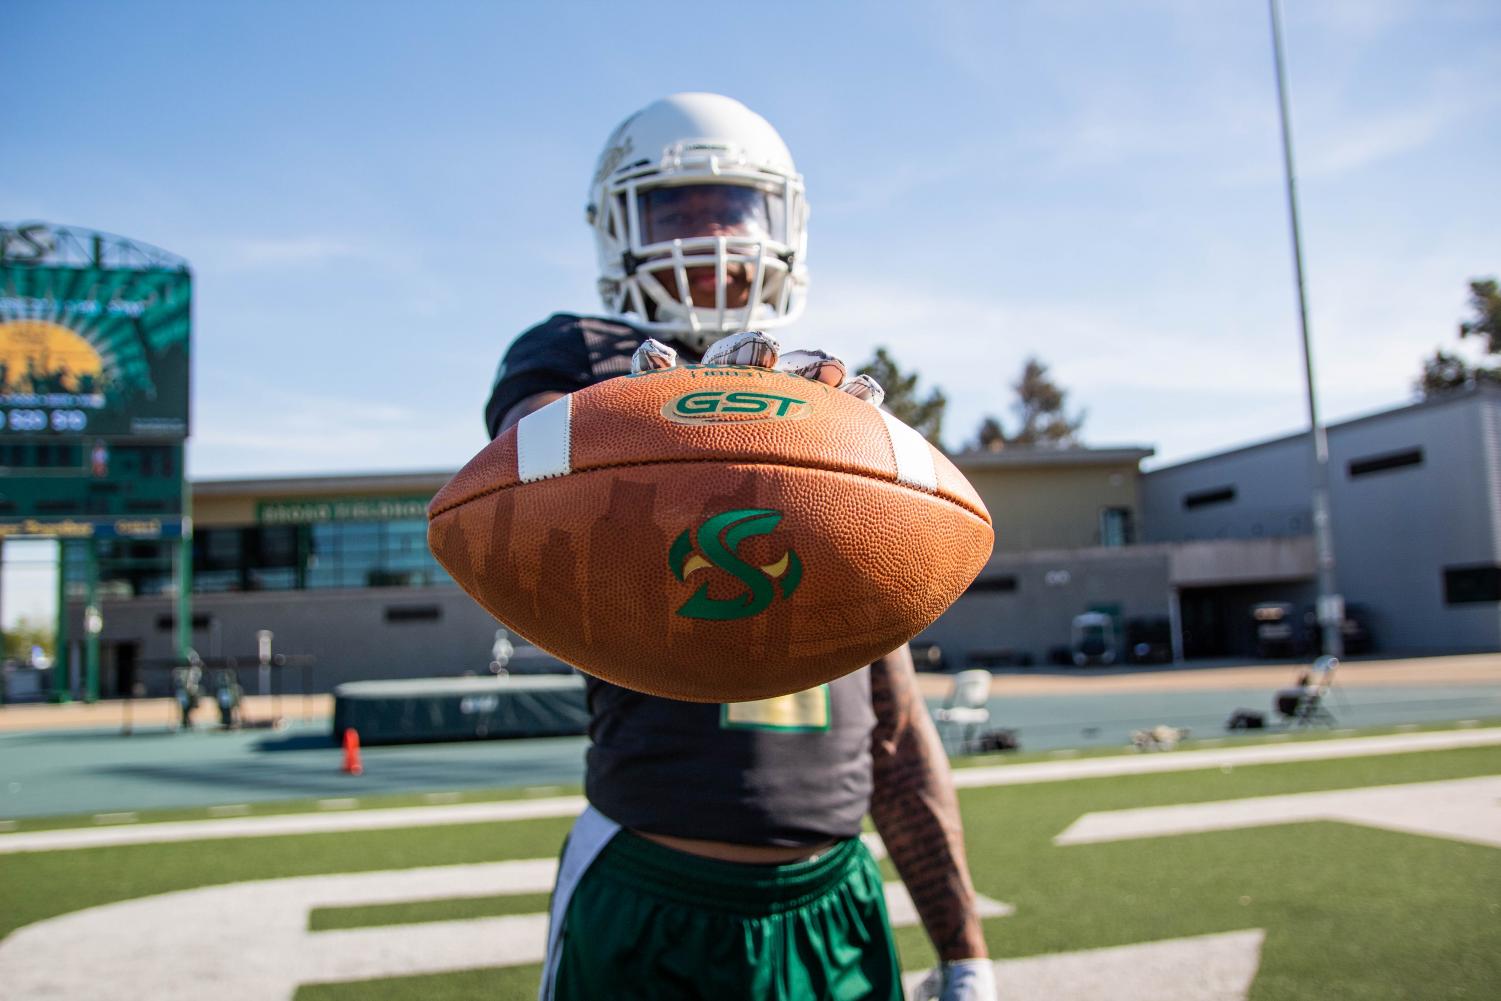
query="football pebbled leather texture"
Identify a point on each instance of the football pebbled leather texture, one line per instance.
(712, 534)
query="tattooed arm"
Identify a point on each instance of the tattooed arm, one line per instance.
(917, 812)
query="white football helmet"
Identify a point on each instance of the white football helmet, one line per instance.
(700, 221)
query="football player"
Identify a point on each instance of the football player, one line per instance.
(720, 854)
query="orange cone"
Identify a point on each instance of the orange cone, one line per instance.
(352, 764)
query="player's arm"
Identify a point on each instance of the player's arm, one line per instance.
(534, 402)
(916, 810)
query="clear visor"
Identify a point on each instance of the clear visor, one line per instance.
(687, 211)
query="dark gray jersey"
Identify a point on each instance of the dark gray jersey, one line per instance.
(789, 771)
(563, 353)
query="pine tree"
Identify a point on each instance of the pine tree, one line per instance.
(1445, 372)
(1040, 407)
(923, 413)
(991, 437)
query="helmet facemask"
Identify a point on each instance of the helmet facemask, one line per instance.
(661, 226)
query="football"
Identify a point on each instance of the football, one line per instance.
(712, 534)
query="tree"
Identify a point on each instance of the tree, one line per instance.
(1040, 408)
(1445, 372)
(23, 635)
(991, 436)
(923, 413)
(1485, 300)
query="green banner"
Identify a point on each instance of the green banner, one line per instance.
(98, 528)
(305, 512)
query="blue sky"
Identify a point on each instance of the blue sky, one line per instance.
(377, 197)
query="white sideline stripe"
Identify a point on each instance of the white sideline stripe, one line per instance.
(1466, 810)
(571, 806)
(297, 823)
(543, 441)
(1230, 757)
(913, 454)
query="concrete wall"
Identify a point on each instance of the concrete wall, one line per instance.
(1052, 586)
(348, 632)
(1054, 506)
(1395, 530)
(1272, 484)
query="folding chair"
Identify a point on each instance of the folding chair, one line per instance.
(965, 709)
(1304, 705)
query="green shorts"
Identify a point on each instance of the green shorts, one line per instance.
(648, 922)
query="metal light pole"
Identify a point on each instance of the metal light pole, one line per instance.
(1331, 604)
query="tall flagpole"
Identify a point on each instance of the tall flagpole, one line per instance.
(1331, 609)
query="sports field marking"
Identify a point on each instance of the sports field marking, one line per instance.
(1181, 761)
(569, 806)
(295, 823)
(338, 804)
(1461, 809)
(229, 810)
(122, 817)
(272, 916)
(1202, 968)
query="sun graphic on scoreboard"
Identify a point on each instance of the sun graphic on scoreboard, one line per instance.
(38, 356)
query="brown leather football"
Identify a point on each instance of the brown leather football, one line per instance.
(713, 534)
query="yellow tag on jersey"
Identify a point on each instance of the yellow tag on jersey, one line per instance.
(807, 710)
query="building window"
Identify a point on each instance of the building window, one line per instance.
(993, 585)
(353, 554)
(1116, 528)
(1387, 460)
(1472, 584)
(1204, 498)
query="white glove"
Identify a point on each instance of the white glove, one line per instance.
(652, 355)
(960, 980)
(759, 349)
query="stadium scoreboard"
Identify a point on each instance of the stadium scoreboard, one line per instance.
(94, 384)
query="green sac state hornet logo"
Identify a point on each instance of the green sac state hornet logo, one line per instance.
(716, 540)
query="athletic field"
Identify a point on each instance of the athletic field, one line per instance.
(1364, 866)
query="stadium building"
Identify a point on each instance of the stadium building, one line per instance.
(1178, 559)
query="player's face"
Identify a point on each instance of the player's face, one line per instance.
(698, 210)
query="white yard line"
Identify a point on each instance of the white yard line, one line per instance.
(1203, 968)
(1234, 757)
(260, 948)
(1466, 810)
(568, 806)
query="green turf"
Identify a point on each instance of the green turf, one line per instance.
(517, 983)
(1348, 911)
(298, 806)
(34, 886)
(416, 911)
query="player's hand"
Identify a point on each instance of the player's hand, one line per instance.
(761, 350)
(960, 980)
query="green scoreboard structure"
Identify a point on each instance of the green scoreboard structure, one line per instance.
(94, 389)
